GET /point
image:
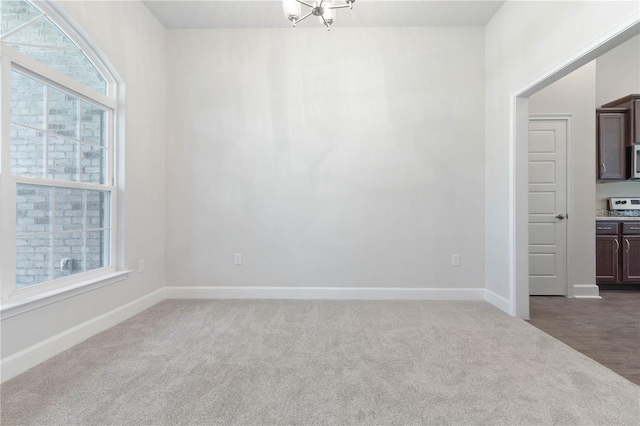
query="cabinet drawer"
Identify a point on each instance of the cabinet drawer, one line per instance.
(631, 228)
(606, 228)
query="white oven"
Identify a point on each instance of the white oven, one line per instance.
(619, 204)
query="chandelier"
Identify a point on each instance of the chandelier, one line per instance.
(323, 9)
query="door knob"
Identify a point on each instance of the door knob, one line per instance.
(560, 216)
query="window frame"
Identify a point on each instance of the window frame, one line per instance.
(11, 60)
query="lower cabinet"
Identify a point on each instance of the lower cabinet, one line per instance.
(617, 252)
(607, 253)
(630, 247)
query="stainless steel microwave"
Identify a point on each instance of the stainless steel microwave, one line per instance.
(634, 161)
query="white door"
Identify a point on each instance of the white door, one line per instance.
(548, 206)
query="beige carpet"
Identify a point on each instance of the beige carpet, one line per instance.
(320, 362)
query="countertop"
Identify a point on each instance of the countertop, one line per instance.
(619, 218)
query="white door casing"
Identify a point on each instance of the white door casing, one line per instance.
(548, 139)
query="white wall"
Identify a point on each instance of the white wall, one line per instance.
(522, 44)
(618, 72)
(345, 159)
(134, 41)
(575, 95)
(618, 75)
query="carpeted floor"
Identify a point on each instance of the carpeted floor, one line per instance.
(320, 362)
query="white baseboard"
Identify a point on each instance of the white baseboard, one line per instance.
(329, 293)
(586, 291)
(498, 301)
(20, 362)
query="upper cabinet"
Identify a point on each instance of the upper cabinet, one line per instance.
(611, 131)
(632, 104)
(617, 128)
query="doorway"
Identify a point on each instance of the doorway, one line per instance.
(520, 179)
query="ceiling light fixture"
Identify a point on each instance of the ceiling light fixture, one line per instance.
(324, 10)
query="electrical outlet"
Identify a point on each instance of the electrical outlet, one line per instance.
(141, 265)
(237, 258)
(66, 264)
(455, 260)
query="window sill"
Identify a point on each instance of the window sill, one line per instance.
(8, 310)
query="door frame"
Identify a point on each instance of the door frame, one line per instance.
(518, 153)
(567, 118)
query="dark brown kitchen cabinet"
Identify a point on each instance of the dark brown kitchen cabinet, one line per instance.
(630, 247)
(611, 133)
(607, 253)
(632, 104)
(617, 253)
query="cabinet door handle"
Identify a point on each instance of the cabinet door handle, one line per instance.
(628, 245)
(617, 245)
(604, 168)
(635, 228)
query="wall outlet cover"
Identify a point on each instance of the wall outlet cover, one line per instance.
(66, 264)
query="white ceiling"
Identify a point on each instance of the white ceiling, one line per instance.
(365, 13)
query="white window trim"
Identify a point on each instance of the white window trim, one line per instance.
(19, 300)
(8, 310)
(61, 19)
(39, 71)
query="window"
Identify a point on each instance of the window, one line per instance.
(57, 160)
